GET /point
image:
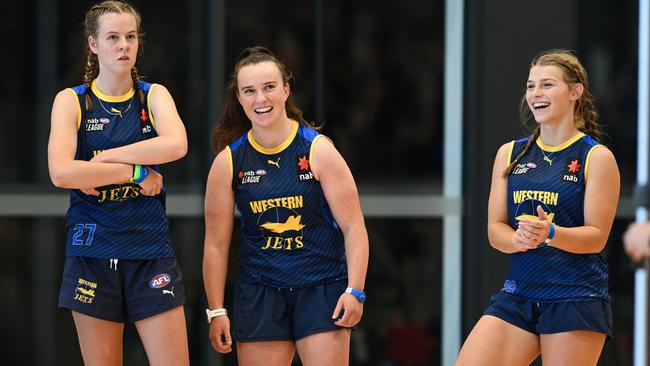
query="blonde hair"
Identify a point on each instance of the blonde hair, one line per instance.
(585, 114)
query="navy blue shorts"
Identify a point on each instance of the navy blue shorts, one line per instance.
(121, 291)
(263, 313)
(548, 318)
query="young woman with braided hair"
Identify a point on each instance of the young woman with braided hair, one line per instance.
(107, 139)
(552, 203)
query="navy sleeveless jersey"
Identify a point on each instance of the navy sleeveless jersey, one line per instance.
(289, 237)
(553, 177)
(120, 223)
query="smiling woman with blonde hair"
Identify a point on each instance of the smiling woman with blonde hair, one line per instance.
(552, 203)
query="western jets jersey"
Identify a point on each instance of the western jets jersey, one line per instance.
(553, 178)
(120, 223)
(289, 237)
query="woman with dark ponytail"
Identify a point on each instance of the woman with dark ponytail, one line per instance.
(303, 251)
(552, 203)
(108, 138)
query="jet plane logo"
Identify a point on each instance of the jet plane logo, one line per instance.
(527, 210)
(85, 291)
(292, 223)
(533, 217)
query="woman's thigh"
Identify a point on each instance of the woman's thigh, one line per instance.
(265, 353)
(100, 340)
(164, 337)
(496, 342)
(325, 348)
(578, 347)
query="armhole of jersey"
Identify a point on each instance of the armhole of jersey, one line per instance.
(76, 97)
(512, 147)
(311, 148)
(588, 159)
(230, 165)
(153, 123)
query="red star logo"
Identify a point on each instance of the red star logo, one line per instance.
(574, 167)
(241, 175)
(303, 163)
(143, 115)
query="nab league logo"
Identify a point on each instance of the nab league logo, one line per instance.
(523, 168)
(251, 177)
(96, 124)
(571, 170)
(160, 280)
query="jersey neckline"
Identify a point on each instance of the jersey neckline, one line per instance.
(561, 146)
(111, 98)
(277, 149)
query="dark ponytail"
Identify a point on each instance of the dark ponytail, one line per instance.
(234, 122)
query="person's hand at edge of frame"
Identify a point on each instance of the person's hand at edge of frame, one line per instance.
(636, 241)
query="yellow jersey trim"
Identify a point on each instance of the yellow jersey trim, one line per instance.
(76, 97)
(311, 148)
(111, 98)
(512, 147)
(277, 149)
(588, 159)
(561, 146)
(153, 123)
(229, 160)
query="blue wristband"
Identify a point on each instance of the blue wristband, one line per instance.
(139, 173)
(360, 295)
(551, 233)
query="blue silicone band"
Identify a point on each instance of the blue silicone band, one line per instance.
(139, 173)
(360, 295)
(551, 232)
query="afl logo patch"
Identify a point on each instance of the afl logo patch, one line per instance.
(160, 280)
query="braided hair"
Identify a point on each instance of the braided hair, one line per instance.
(91, 29)
(585, 114)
